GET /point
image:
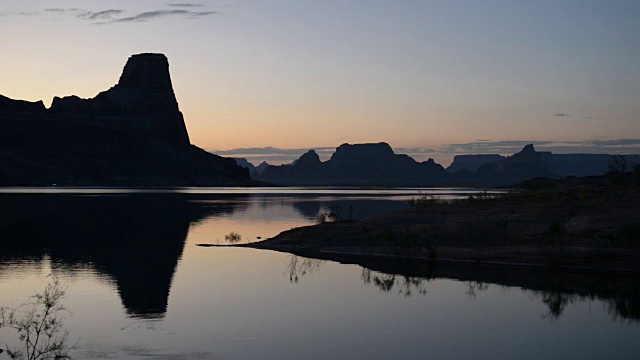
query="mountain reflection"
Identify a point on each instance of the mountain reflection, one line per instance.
(350, 209)
(135, 240)
(557, 290)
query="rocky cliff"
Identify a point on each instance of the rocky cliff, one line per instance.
(357, 165)
(378, 165)
(130, 135)
(472, 162)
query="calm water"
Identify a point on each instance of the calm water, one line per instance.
(139, 287)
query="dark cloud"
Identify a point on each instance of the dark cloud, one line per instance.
(561, 115)
(98, 15)
(413, 152)
(184, 5)
(149, 15)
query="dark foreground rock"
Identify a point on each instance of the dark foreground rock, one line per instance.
(130, 135)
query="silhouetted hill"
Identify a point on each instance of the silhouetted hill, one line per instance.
(356, 165)
(255, 171)
(529, 164)
(242, 162)
(260, 168)
(378, 165)
(523, 165)
(582, 164)
(471, 162)
(130, 135)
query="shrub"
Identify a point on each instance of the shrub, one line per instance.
(629, 236)
(39, 326)
(425, 200)
(618, 164)
(233, 237)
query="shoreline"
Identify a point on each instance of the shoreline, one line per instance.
(586, 225)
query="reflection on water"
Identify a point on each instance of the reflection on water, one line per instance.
(135, 240)
(301, 266)
(405, 285)
(557, 290)
(139, 287)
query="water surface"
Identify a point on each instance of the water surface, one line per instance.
(139, 287)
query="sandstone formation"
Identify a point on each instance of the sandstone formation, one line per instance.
(130, 135)
(356, 165)
(529, 163)
(378, 165)
(472, 162)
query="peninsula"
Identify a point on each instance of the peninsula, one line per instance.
(585, 224)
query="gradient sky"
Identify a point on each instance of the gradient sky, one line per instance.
(302, 73)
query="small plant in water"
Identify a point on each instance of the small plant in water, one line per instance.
(233, 237)
(38, 324)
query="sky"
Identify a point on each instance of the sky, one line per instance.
(431, 78)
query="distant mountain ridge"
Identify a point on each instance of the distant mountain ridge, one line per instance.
(253, 170)
(355, 165)
(130, 135)
(529, 163)
(378, 165)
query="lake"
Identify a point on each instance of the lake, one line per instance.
(140, 287)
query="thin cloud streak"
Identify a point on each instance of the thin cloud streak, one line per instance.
(184, 5)
(149, 15)
(104, 14)
(587, 117)
(111, 16)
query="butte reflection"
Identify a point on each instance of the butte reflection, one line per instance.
(135, 241)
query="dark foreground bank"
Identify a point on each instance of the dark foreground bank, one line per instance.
(589, 224)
